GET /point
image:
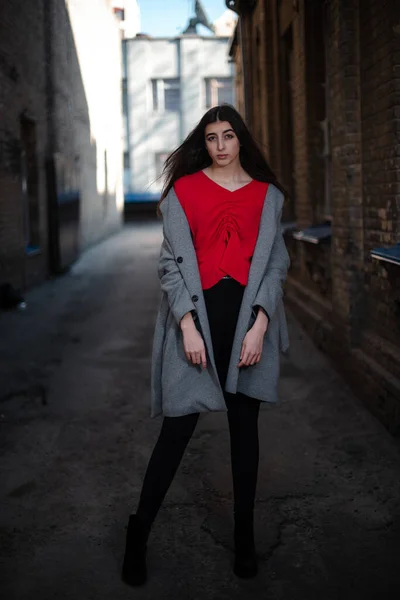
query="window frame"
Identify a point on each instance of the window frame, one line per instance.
(216, 83)
(158, 89)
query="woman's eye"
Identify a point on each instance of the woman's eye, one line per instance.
(229, 136)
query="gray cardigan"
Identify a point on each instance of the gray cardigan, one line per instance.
(179, 387)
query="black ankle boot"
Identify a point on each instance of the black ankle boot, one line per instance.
(134, 570)
(245, 564)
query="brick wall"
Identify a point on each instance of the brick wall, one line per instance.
(258, 56)
(303, 211)
(344, 70)
(380, 106)
(346, 131)
(380, 90)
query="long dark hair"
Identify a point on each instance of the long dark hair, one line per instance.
(192, 156)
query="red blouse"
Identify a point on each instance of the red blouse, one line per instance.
(224, 225)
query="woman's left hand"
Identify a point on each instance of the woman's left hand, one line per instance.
(253, 342)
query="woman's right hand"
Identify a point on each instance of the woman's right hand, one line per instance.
(193, 343)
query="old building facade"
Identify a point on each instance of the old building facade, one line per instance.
(168, 85)
(60, 134)
(319, 83)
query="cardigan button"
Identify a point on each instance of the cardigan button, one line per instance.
(195, 298)
(179, 259)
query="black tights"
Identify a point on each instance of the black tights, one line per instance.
(171, 444)
(223, 302)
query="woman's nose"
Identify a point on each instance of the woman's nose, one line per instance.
(221, 144)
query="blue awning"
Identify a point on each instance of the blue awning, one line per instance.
(315, 234)
(391, 254)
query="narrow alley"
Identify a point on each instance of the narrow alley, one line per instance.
(76, 436)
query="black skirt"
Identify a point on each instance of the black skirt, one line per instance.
(223, 302)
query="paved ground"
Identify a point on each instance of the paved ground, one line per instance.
(76, 436)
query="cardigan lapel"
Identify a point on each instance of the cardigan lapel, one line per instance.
(265, 239)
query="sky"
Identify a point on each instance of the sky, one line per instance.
(169, 17)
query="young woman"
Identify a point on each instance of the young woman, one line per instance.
(221, 323)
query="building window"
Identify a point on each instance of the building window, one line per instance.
(166, 95)
(218, 91)
(119, 13)
(160, 158)
(30, 185)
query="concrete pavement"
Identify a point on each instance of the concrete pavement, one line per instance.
(76, 437)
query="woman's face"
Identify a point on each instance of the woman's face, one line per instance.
(222, 143)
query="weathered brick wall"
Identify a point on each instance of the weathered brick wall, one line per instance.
(257, 81)
(380, 112)
(239, 85)
(304, 216)
(259, 73)
(314, 56)
(22, 91)
(380, 92)
(271, 112)
(362, 329)
(345, 110)
(348, 301)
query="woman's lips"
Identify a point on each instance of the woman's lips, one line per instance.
(222, 155)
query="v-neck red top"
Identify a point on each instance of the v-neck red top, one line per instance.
(224, 225)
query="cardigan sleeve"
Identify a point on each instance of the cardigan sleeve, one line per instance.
(172, 283)
(270, 291)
